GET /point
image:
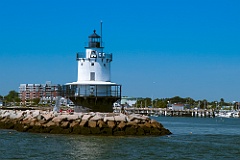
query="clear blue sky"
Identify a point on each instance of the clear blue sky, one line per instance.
(161, 48)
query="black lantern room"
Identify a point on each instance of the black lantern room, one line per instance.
(94, 40)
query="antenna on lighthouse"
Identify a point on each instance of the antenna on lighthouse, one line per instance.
(101, 31)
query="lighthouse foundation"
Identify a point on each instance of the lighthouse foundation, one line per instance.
(96, 98)
(95, 104)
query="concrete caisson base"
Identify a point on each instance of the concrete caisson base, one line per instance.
(95, 104)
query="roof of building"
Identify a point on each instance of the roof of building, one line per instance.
(178, 105)
(94, 35)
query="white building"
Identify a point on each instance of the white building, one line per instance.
(130, 101)
(93, 88)
(176, 106)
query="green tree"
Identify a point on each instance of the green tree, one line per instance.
(144, 102)
(1, 98)
(222, 102)
(190, 101)
(178, 99)
(36, 101)
(204, 104)
(12, 97)
(160, 103)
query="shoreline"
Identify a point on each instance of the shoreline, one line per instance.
(92, 123)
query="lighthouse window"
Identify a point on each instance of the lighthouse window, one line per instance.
(93, 54)
(92, 64)
(81, 64)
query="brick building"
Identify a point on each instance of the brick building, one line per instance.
(46, 93)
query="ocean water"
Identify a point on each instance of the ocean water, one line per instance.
(192, 138)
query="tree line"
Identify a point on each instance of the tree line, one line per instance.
(13, 99)
(164, 102)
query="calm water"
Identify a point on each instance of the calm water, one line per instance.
(192, 138)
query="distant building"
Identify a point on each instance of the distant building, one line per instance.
(176, 106)
(45, 92)
(130, 101)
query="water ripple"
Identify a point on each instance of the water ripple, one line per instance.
(193, 138)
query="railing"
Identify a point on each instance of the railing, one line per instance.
(102, 44)
(91, 90)
(80, 55)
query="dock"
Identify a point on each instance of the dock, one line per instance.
(167, 112)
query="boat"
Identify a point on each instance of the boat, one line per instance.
(227, 114)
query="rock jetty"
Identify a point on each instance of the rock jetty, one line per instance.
(116, 124)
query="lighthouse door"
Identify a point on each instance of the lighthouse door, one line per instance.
(92, 76)
(92, 90)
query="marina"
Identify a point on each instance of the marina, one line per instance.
(181, 113)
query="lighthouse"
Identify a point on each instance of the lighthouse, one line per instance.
(93, 88)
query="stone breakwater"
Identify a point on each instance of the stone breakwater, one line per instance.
(92, 123)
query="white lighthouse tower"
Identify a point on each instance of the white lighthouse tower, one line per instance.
(94, 64)
(94, 89)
